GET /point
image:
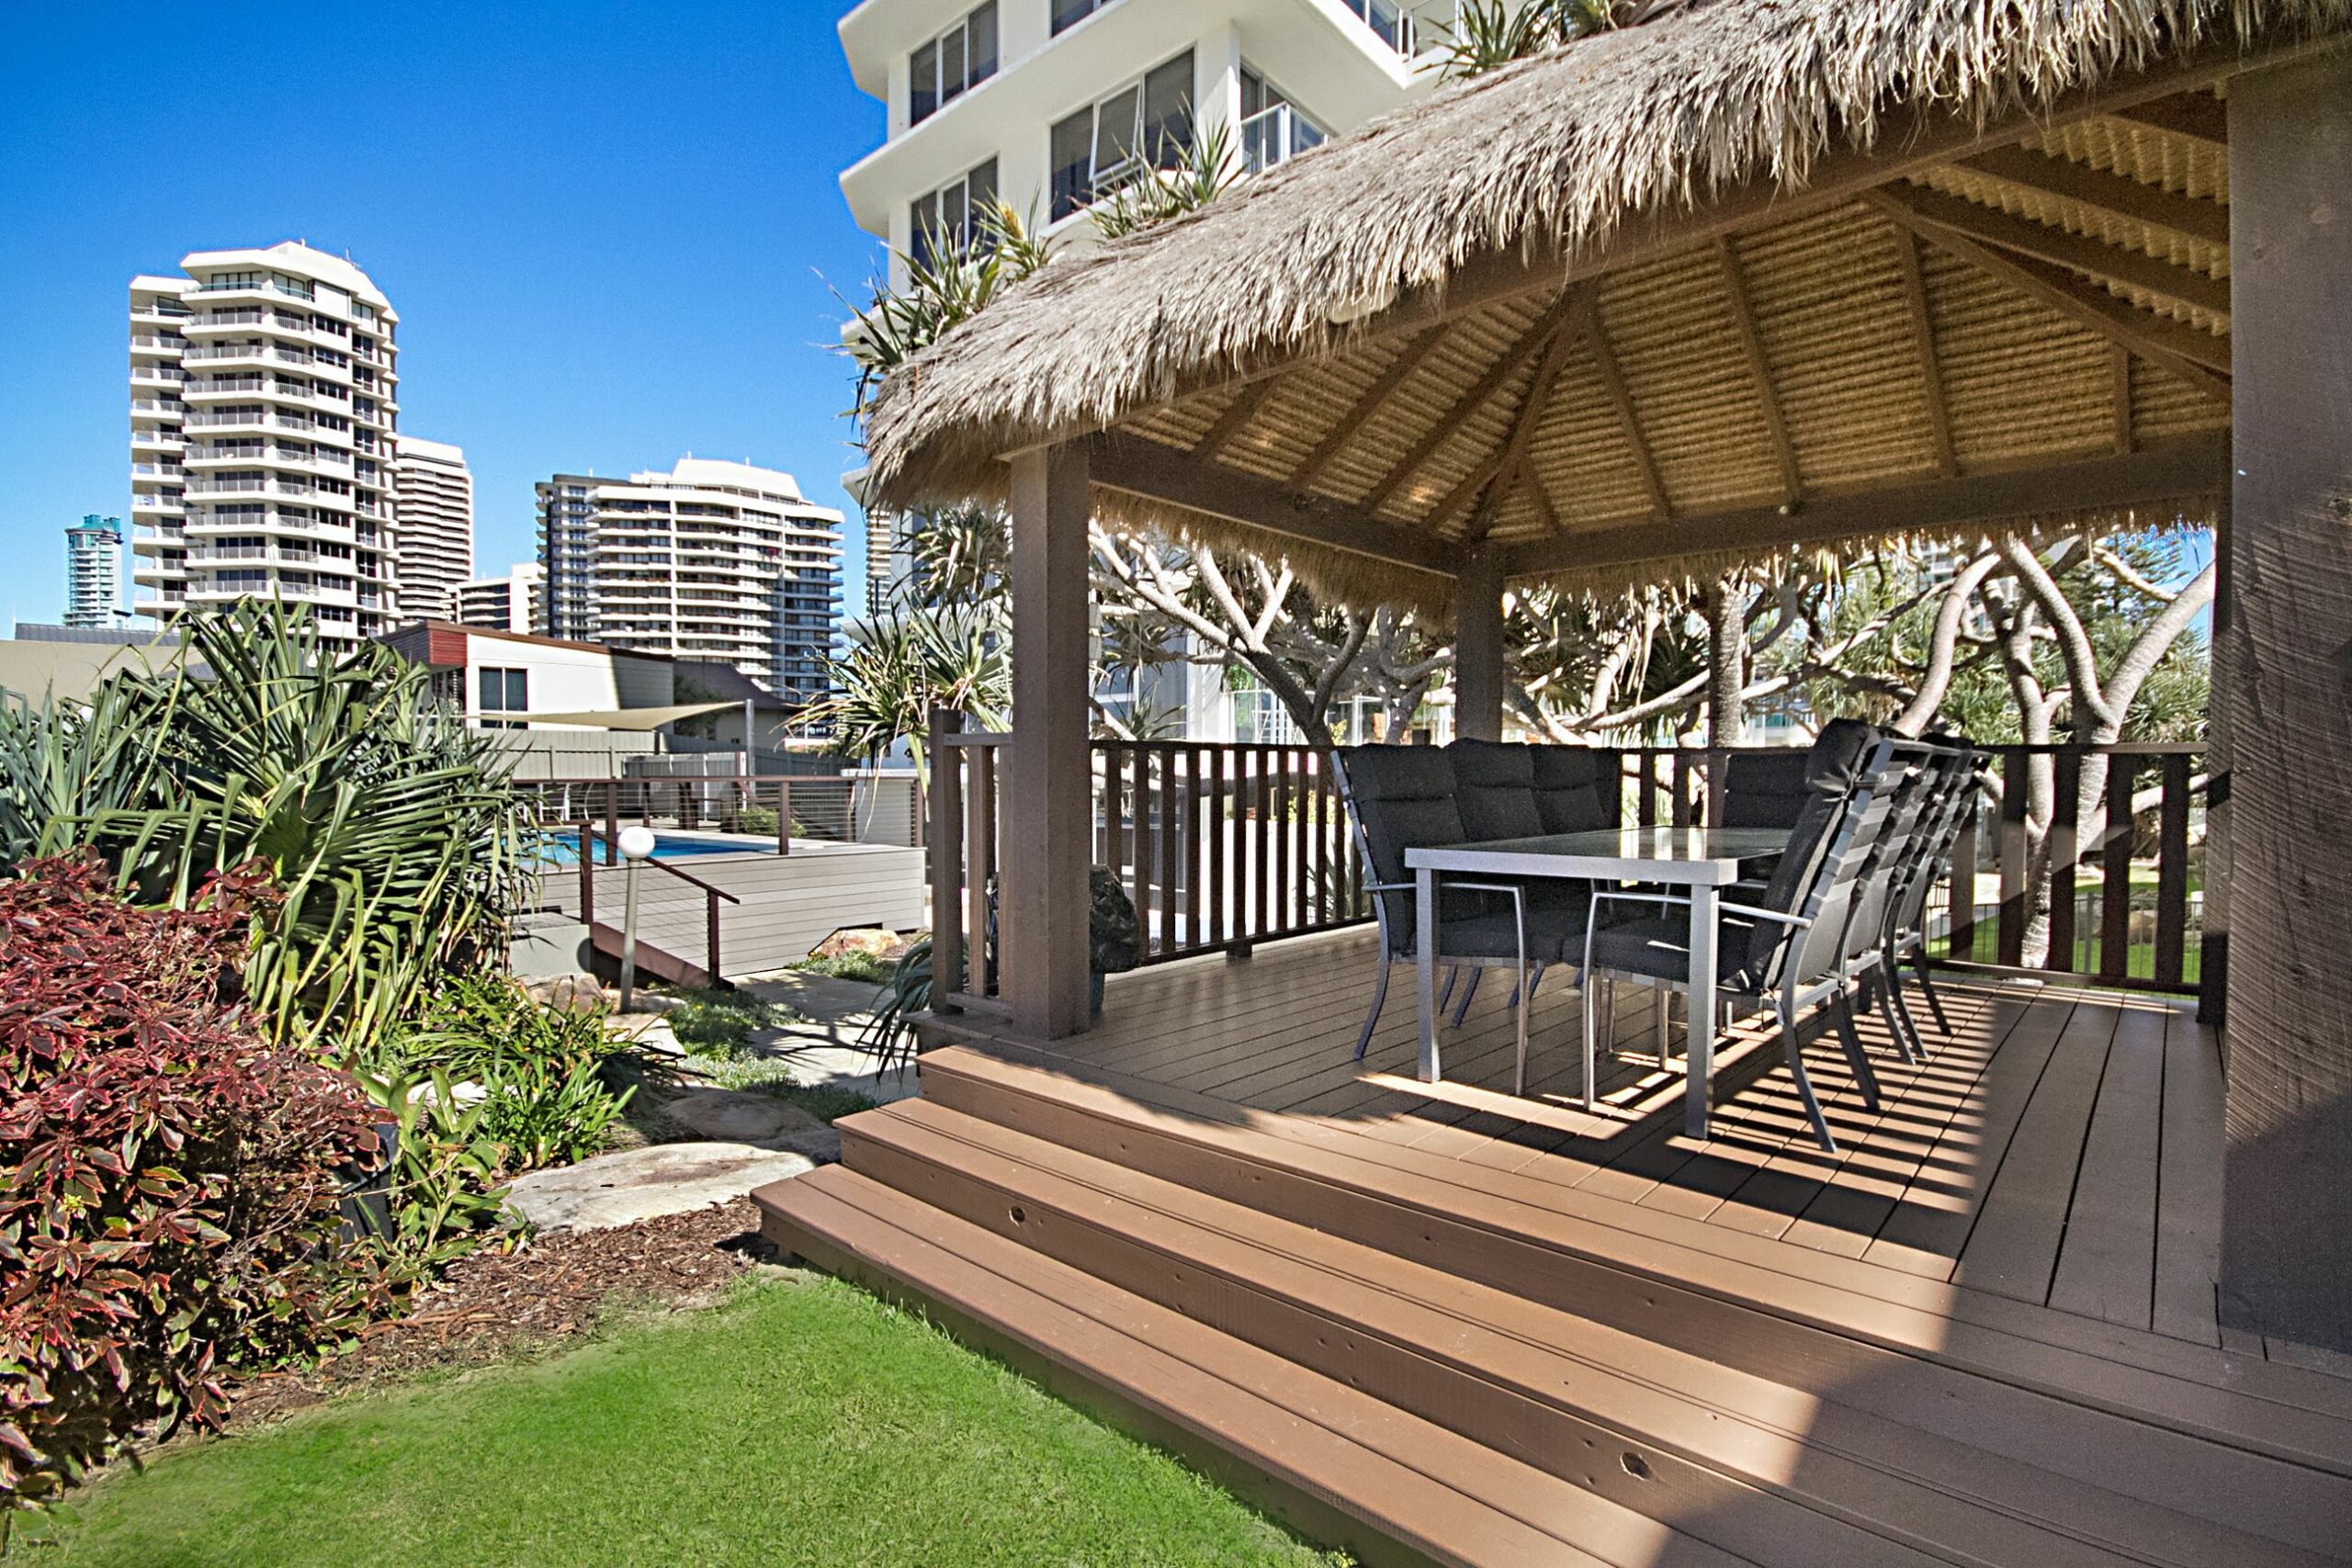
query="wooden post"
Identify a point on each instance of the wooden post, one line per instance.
(943, 835)
(2286, 1228)
(1048, 804)
(1478, 646)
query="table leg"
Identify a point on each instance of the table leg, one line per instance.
(1425, 945)
(1699, 1056)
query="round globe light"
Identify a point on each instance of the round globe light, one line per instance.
(637, 841)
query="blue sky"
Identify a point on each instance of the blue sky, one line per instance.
(612, 231)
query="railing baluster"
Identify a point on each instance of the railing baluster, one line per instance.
(2115, 862)
(945, 832)
(1171, 843)
(2064, 828)
(1960, 901)
(1213, 837)
(2172, 871)
(2015, 764)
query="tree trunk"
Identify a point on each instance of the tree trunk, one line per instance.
(1726, 663)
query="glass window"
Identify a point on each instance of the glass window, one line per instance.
(1068, 11)
(949, 65)
(504, 691)
(1168, 112)
(1118, 126)
(922, 84)
(1070, 160)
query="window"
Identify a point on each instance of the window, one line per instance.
(1146, 122)
(949, 65)
(1068, 11)
(504, 691)
(949, 219)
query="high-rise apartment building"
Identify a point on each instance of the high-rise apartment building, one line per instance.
(712, 561)
(263, 410)
(509, 604)
(94, 572)
(434, 492)
(1049, 104)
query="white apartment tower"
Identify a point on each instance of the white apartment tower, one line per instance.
(712, 561)
(434, 497)
(1048, 104)
(509, 604)
(93, 572)
(263, 407)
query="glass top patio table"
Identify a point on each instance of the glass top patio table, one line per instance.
(1702, 860)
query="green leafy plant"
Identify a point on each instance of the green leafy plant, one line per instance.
(171, 1182)
(866, 967)
(446, 1190)
(952, 283)
(890, 1036)
(547, 1098)
(1207, 168)
(393, 832)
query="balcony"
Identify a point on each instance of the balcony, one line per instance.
(164, 408)
(145, 344)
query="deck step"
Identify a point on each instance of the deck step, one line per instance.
(1346, 1467)
(1761, 1470)
(1702, 1289)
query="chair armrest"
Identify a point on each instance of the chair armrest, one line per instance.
(1776, 916)
(1600, 895)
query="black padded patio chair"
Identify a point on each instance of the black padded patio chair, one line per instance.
(1401, 797)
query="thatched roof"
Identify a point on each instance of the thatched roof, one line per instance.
(1634, 299)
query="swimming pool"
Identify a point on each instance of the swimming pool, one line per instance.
(563, 848)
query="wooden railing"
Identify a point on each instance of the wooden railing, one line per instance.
(589, 834)
(1221, 847)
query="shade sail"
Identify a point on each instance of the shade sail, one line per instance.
(637, 719)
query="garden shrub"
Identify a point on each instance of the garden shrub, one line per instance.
(169, 1180)
(719, 1024)
(546, 1096)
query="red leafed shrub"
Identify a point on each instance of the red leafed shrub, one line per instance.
(169, 1182)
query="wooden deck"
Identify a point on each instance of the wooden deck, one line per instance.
(2029, 1156)
(1442, 1324)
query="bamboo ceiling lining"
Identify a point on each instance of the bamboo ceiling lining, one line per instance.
(1792, 361)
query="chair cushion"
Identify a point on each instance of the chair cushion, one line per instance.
(1495, 786)
(1576, 787)
(1659, 947)
(1404, 799)
(1554, 936)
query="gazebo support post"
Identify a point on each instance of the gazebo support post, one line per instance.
(1048, 798)
(1478, 646)
(2287, 1231)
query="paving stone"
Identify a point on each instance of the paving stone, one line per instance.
(642, 1184)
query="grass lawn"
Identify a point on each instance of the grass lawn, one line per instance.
(799, 1421)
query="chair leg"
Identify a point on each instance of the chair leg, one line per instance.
(1850, 1035)
(1462, 1008)
(1884, 985)
(1903, 1011)
(1590, 1004)
(1660, 1008)
(1379, 1000)
(1794, 1055)
(1928, 990)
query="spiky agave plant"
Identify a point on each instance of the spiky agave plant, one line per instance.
(952, 283)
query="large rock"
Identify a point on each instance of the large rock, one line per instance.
(643, 1184)
(568, 993)
(762, 1121)
(875, 941)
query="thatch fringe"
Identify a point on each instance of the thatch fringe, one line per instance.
(1564, 151)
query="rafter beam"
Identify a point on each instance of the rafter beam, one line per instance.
(2078, 253)
(2199, 358)
(2157, 475)
(1759, 365)
(1502, 476)
(1409, 358)
(1931, 359)
(1612, 386)
(2118, 195)
(2199, 116)
(1237, 412)
(1150, 471)
(1530, 343)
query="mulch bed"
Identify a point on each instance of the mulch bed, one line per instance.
(493, 1306)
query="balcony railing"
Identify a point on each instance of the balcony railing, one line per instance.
(1274, 136)
(1222, 846)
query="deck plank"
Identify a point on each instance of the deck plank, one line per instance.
(2188, 1183)
(2106, 1261)
(2012, 1250)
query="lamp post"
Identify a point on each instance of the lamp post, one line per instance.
(636, 847)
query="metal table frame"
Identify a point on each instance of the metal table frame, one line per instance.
(1703, 860)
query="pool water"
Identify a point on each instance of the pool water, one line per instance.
(564, 849)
